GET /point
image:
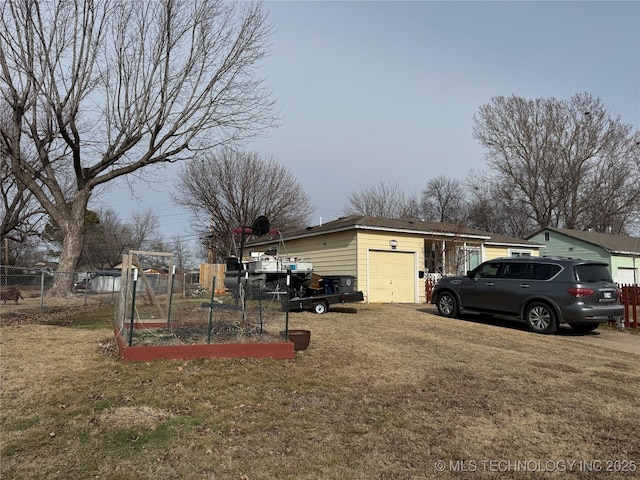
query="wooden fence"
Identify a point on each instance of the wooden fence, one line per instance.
(210, 270)
(629, 297)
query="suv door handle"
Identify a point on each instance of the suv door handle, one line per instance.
(524, 285)
(489, 284)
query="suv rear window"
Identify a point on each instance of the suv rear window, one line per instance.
(592, 272)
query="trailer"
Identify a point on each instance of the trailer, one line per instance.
(291, 280)
(323, 291)
(319, 303)
(270, 273)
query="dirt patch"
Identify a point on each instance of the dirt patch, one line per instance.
(48, 316)
(108, 347)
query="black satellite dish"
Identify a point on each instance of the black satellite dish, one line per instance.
(260, 226)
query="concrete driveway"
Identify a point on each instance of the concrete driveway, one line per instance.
(612, 339)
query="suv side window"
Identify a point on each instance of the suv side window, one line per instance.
(516, 270)
(545, 271)
(487, 270)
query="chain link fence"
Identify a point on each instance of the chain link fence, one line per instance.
(29, 288)
(154, 307)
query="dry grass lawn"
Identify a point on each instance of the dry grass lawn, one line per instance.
(383, 392)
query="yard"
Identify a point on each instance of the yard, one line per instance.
(382, 392)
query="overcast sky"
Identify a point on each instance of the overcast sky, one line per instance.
(372, 91)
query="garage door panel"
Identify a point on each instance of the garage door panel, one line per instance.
(625, 276)
(392, 277)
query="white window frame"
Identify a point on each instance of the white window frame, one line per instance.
(519, 252)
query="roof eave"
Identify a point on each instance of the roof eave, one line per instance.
(523, 245)
(344, 228)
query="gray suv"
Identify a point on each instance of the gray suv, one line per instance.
(543, 291)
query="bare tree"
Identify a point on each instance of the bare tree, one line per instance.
(493, 208)
(231, 189)
(549, 156)
(613, 201)
(109, 237)
(384, 199)
(184, 258)
(444, 200)
(100, 89)
(145, 230)
(20, 214)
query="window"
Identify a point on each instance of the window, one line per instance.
(520, 253)
(545, 271)
(516, 270)
(488, 270)
(592, 273)
(468, 258)
(546, 236)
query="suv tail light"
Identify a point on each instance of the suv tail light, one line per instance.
(580, 292)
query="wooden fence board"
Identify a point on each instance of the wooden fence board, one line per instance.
(208, 271)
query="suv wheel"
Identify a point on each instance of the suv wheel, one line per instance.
(447, 305)
(584, 327)
(541, 318)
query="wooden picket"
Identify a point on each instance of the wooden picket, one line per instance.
(630, 298)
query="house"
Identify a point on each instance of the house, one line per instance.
(621, 252)
(390, 258)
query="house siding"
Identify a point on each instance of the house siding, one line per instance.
(560, 245)
(333, 254)
(566, 246)
(492, 252)
(498, 251)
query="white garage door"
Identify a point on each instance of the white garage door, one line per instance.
(624, 276)
(392, 277)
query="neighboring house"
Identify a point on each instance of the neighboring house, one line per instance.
(621, 252)
(390, 258)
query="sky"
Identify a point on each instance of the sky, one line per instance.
(373, 91)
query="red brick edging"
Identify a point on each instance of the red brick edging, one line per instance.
(278, 350)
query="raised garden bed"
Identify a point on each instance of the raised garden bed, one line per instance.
(247, 349)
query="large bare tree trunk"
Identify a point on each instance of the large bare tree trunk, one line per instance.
(74, 230)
